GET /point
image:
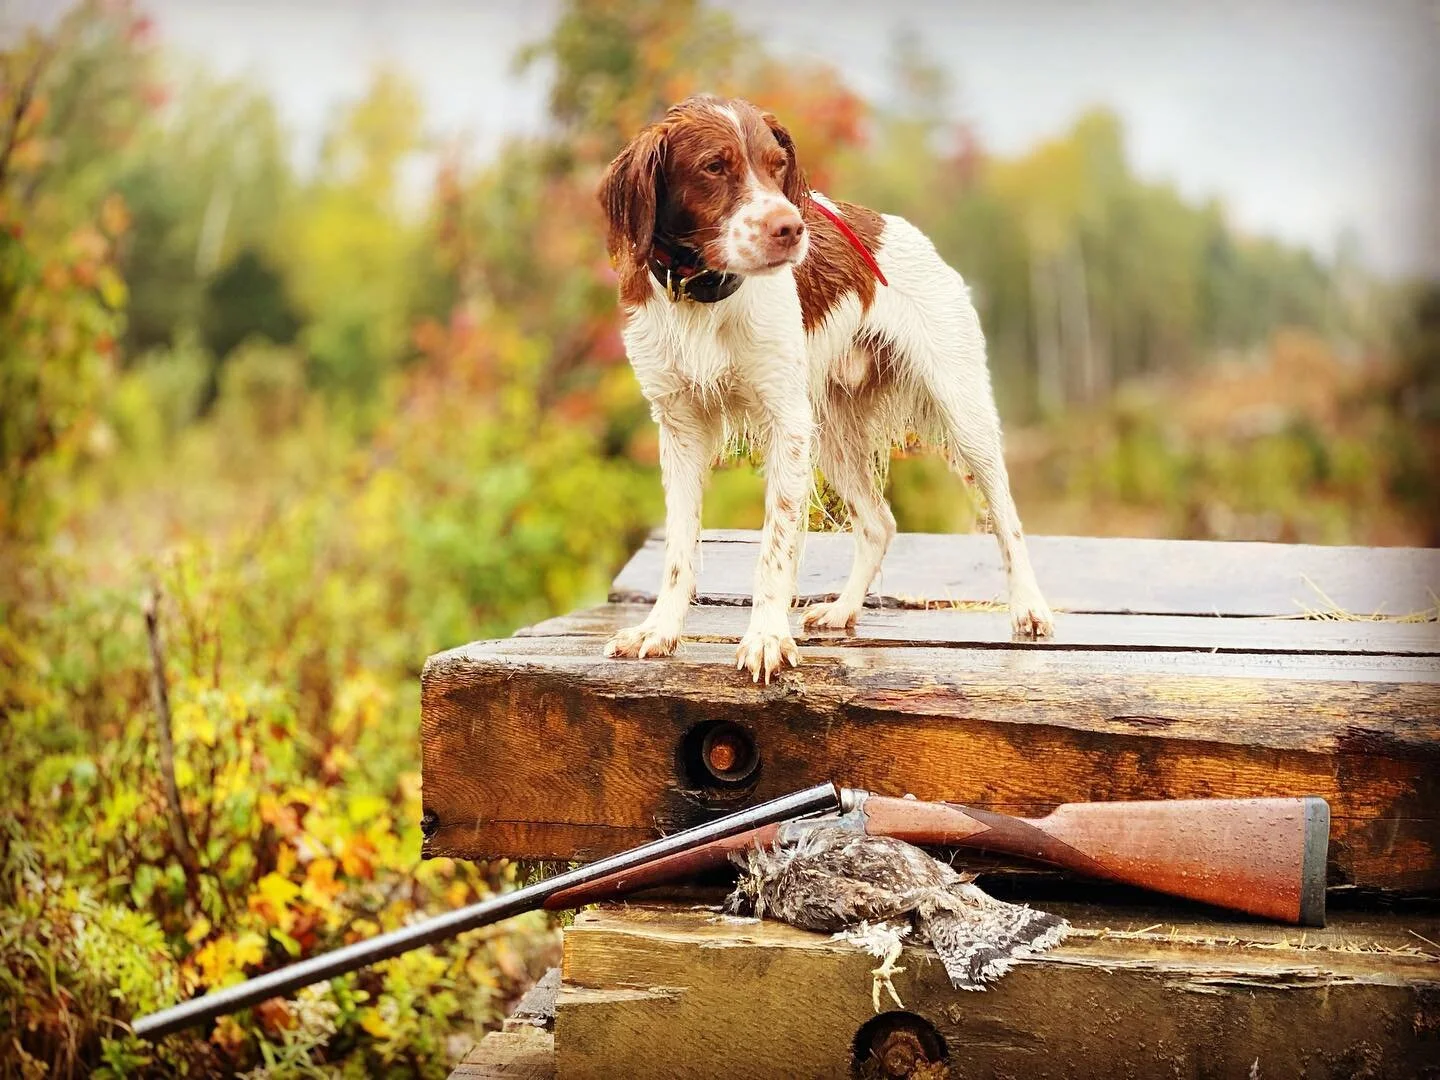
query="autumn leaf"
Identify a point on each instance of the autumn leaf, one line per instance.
(229, 1034)
(375, 1024)
(320, 886)
(271, 899)
(275, 1015)
(356, 857)
(249, 949)
(198, 931)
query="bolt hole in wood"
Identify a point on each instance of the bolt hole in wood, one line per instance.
(718, 755)
(896, 1045)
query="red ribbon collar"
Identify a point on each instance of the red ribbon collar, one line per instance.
(818, 202)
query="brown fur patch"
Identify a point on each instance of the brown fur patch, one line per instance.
(833, 267)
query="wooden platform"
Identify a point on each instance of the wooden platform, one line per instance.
(1179, 670)
(670, 991)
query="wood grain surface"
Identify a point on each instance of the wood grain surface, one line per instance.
(1080, 574)
(524, 1054)
(991, 630)
(679, 993)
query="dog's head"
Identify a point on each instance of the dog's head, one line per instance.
(717, 176)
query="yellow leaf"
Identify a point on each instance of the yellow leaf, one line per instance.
(285, 860)
(249, 949)
(288, 943)
(375, 1024)
(365, 807)
(272, 897)
(277, 889)
(215, 961)
(199, 931)
(356, 857)
(112, 288)
(320, 884)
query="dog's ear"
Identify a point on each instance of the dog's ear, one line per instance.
(628, 193)
(795, 187)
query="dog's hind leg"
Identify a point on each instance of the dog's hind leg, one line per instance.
(847, 460)
(959, 385)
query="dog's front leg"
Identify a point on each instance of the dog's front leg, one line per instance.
(768, 643)
(689, 440)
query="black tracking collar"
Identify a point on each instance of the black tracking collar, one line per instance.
(681, 272)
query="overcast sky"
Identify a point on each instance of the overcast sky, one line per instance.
(1305, 116)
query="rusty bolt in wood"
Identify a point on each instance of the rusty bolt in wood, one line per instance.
(899, 1051)
(728, 754)
(723, 754)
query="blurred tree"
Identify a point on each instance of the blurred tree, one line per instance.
(247, 297)
(351, 253)
(619, 65)
(207, 182)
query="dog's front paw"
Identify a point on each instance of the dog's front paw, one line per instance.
(1030, 618)
(831, 616)
(642, 641)
(761, 653)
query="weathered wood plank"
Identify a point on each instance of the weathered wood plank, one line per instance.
(523, 1054)
(540, 748)
(1082, 574)
(537, 1007)
(666, 992)
(981, 629)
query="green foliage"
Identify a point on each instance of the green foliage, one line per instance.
(247, 297)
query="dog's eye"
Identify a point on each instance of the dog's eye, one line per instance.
(716, 167)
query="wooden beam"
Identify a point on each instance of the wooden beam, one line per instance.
(1081, 574)
(540, 748)
(678, 993)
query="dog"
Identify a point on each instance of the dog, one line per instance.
(822, 332)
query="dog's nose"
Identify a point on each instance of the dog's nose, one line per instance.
(785, 228)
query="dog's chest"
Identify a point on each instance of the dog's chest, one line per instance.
(733, 350)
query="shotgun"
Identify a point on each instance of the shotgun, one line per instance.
(1263, 857)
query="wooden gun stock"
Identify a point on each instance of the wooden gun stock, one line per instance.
(1261, 856)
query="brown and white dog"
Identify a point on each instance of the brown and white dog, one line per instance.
(755, 306)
